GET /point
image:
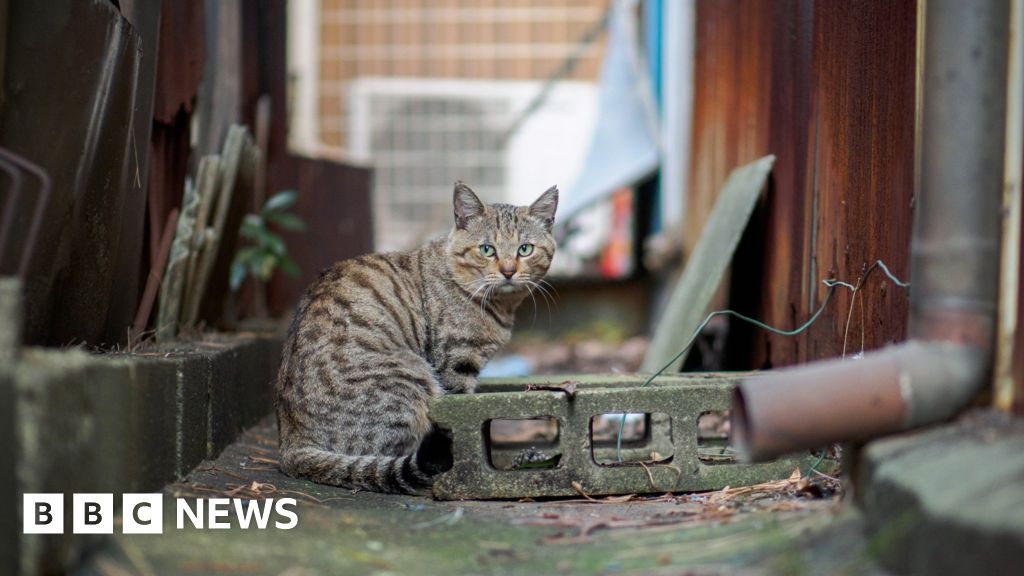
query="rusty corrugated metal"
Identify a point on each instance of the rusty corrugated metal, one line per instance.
(72, 103)
(862, 169)
(730, 124)
(144, 17)
(778, 230)
(181, 55)
(829, 88)
(334, 198)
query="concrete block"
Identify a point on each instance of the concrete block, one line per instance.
(121, 423)
(260, 358)
(682, 399)
(192, 412)
(224, 418)
(241, 386)
(10, 522)
(88, 424)
(948, 499)
(10, 318)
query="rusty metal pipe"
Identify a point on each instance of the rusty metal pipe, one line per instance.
(899, 387)
(954, 265)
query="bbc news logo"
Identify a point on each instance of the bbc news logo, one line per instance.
(144, 513)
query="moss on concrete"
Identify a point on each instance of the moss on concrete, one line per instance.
(123, 422)
(364, 533)
(381, 540)
(683, 399)
(949, 499)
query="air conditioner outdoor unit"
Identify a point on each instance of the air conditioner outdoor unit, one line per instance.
(420, 135)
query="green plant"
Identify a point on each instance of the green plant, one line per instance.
(266, 251)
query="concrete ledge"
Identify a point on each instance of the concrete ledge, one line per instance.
(948, 500)
(682, 399)
(10, 318)
(10, 523)
(126, 423)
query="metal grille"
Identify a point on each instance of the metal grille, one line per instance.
(416, 146)
(462, 71)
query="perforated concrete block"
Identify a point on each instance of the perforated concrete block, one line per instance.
(680, 399)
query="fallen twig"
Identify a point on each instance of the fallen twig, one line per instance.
(727, 493)
(568, 388)
(579, 490)
(257, 490)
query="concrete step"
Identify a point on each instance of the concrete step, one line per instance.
(948, 499)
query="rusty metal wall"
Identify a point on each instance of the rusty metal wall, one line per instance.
(77, 102)
(830, 89)
(181, 54)
(732, 82)
(334, 198)
(863, 185)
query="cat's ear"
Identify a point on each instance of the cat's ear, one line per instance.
(544, 207)
(467, 205)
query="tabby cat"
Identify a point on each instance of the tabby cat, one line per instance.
(376, 337)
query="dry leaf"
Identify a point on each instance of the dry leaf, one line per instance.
(568, 387)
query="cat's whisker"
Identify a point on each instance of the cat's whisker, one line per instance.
(532, 284)
(485, 287)
(549, 285)
(544, 292)
(529, 290)
(472, 296)
(549, 300)
(487, 294)
(468, 285)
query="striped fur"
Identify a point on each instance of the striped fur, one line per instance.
(376, 337)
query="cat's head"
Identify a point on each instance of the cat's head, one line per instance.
(498, 249)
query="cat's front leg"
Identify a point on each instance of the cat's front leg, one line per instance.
(460, 376)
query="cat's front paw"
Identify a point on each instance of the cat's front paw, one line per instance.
(459, 384)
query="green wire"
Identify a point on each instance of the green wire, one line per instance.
(814, 467)
(831, 284)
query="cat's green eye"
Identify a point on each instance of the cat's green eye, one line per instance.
(487, 250)
(525, 250)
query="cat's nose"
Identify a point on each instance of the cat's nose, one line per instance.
(508, 271)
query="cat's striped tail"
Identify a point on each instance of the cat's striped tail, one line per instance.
(406, 474)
